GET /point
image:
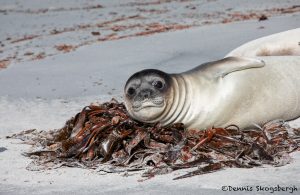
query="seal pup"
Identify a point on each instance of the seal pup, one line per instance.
(285, 43)
(233, 90)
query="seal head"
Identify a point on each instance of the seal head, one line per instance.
(147, 94)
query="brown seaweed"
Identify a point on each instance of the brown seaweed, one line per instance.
(103, 137)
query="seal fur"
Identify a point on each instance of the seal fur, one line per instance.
(285, 43)
(234, 90)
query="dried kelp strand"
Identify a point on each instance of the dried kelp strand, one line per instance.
(103, 137)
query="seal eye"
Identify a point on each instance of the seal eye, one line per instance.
(131, 91)
(158, 84)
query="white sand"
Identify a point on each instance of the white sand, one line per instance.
(43, 94)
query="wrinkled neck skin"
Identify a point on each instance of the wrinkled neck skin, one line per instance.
(190, 103)
(178, 102)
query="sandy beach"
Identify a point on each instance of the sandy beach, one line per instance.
(52, 82)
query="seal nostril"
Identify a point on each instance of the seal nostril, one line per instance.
(145, 94)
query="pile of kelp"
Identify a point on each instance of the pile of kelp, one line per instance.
(103, 137)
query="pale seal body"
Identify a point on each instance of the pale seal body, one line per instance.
(235, 90)
(240, 91)
(285, 43)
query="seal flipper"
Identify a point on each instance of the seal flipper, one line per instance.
(232, 64)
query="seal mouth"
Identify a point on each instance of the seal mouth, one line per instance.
(147, 103)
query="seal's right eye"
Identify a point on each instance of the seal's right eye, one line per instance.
(131, 91)
(158, 84)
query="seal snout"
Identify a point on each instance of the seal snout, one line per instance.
(147, 101)
(146, 93)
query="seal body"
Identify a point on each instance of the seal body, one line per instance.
(285, 43)
(234, 90)
(254, 84)
(244, 97)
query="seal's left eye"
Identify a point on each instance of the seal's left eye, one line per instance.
(131, 91)
(158, 84)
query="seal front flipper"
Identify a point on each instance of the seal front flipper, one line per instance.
(225, 66)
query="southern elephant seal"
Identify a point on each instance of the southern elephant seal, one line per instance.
(234, 90)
